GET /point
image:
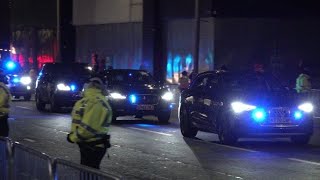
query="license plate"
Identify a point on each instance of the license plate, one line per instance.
(145, 107)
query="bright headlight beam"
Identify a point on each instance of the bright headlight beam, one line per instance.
(25, 80)
(239, 107)
(63, 87)
(306, 107)
(168, 96)
(116, 95)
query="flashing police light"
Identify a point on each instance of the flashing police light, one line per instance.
(16, 80)
(10, 65)
(297, 115)
(259, 115)
(133, 98)
(73, 87)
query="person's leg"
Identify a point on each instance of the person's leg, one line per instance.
(4, 126)
(91, 156)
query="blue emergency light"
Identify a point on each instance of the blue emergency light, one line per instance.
(259, 115)
(298, 115)
(10, 65)
(73, 87)
(133, 98)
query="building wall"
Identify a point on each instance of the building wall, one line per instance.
(120, 44)
(105, 12)
(180, 38)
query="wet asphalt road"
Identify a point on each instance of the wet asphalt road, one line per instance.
(143, 149)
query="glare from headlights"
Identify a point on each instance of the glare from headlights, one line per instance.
(63, 87)
(168, 96)
(116, 95)
(306, 107)
(239, 107)
(25, 80)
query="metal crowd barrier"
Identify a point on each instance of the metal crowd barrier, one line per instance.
(30, 164)
(18, 162)
(65, 170)
(4, 158)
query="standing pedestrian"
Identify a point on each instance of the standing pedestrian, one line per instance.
(4, 105)
(91, 118)
(95, 62)
(183, 81)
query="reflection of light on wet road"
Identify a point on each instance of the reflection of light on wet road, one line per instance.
(155, 132)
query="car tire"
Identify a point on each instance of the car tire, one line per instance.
(27, 97)
(300, 140)
(225, 132)
(164, 117)
(39, 104)
(186, 127)
(53, 105)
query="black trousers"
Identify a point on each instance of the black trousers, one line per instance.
(91, 155)
(4, 126)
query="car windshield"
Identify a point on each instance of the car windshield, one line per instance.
(261, 82)
(70, 69)
(136, 77)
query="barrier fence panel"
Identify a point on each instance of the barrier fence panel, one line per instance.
(65, 170)
(4, 158)
(30, 164)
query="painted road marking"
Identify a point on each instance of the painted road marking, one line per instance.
(305, 161)
(22, 107)
(30, 140)
(155, 132)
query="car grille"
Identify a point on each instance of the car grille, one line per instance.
(147, 99)
(279, 116)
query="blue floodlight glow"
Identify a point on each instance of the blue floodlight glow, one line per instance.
(130, 74)
(259, 115)
(10, 65)
(297, 115)
(73, 87)
(133, 98)
(171, 106)
(16, 80)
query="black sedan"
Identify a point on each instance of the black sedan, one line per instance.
(134, 92)
(251, 105)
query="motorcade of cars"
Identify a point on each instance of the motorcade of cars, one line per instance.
(135, 92)
(60, 85)
(237, 105)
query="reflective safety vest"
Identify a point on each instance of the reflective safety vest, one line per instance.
(303, 83)
(91, 117)
(5, 98)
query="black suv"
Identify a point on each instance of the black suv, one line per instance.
(60, 85)
(235, 105)
(134, 92)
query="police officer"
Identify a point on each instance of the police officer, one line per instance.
(303, 83)
(4, 105)
(91, 118)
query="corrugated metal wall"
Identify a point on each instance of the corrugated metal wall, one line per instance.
(121, 43)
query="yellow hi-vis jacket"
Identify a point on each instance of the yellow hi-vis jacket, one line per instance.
(91, 117)
(5, 98)
(303, 83)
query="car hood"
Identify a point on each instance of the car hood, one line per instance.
(269, 99)
(135, 88)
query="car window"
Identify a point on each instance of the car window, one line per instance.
(200, 82)
(136, 77)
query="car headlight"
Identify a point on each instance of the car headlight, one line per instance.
(116, 95)
(63, 87)
(239, 107)
(25, 80)
(168, 96)
(306, 107)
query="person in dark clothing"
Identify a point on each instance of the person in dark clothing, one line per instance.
(95, 62)
(4, 106)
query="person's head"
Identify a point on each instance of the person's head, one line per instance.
(184, 73)
(97, 82)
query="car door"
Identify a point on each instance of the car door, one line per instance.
(197, 88)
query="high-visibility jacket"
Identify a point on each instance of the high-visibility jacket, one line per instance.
(5, 98)
(303, 83)
(91, 117)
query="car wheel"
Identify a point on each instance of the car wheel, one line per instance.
(225, 133)
(53, 105)
(40, 105)
(27, 97)
(164, 117)
(186, 127)
(301, 140)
